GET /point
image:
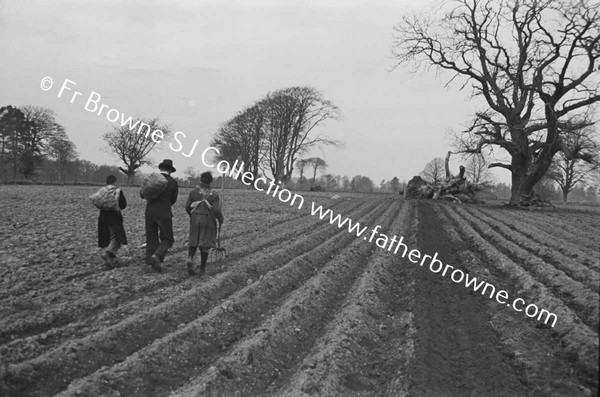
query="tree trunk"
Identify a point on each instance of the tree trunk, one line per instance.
(565, 194)
(524, 178)
(2, 160)
(15, 156)
(519, 184)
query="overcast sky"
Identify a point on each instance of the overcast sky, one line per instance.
(194, 64)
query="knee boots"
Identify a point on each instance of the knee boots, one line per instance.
(190, 261)
(203, 260)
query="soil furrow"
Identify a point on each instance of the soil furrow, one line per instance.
(80, 357)
(278, 232)
(539, 236)
(367, 346)
(577, 338)
(569, 230)
(288, 222)
(456, 351)
(170, 361)
(535, 352)
(571, 268)
(580, 298)
(259, 363)
(66, 314)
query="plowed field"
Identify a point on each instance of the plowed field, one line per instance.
(299, 306)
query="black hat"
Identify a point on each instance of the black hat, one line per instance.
(167, 164)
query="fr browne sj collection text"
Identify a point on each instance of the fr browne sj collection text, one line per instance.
(94, 104)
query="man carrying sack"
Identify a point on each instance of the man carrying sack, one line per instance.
(158, 216)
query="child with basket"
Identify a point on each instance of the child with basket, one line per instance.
(110, 200)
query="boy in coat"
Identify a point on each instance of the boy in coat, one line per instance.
(111, 233)
(204, 208)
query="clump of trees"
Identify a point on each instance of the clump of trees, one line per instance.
(316, 164)
(34, 145)
(29, 136)
(534, 63)
(270, 135)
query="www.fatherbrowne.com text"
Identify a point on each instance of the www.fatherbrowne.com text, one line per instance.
(393, 245)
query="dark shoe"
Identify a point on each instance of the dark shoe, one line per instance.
(202, 269)
(155, 263)
(190, 265)
(109, 260)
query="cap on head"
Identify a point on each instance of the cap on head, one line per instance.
(206, 178)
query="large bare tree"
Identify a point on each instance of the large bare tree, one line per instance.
(534, 62)
(291, 116)
(132, 148)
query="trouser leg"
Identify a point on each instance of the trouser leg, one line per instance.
(151, 238)
(165, 226)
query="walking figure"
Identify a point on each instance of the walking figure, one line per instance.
(159, 218)
(204, 208)
(111, 233)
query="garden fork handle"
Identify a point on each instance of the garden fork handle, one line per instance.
(219, 236)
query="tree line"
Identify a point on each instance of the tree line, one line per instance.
(532, 64)
(271, 134)
(33, 143)
(30, 135)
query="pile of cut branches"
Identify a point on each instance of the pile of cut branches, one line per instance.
(453, 188)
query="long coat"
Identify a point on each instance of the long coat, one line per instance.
(204, 217)
(114, 219)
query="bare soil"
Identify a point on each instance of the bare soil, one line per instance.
(299, 306)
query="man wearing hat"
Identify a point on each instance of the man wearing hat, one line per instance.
(159, 219)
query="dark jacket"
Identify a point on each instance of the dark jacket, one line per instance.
(161, 206)
(106, 219)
